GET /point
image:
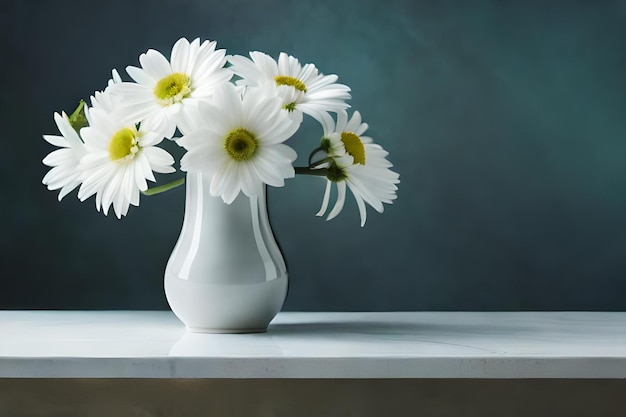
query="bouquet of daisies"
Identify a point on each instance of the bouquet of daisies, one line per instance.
(233, 115)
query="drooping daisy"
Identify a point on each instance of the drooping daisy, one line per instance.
(119, 159)
(65, 173)
(164, 90)
(238, 142)
(358, 164)
(301, 87)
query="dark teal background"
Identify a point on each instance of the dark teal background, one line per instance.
(505, 119)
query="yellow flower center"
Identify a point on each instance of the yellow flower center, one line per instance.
(290, 107)
(123, 145)
(172, 89)
(354, 147)
(240, 144)
(291, 81)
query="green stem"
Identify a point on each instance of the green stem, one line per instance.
(322, 172)
(165, 187)
(316, 150)
(320, 162)
(78, 119)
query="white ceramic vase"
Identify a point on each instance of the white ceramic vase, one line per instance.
(226, 273)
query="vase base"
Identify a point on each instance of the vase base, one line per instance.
(224, 331)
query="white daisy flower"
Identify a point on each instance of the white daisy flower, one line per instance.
(301, 87)
(108, 103)
(164, 90)
(115, 78)
(238, 142)
(358, 164)
(65, 173)
(104, 99)
(119, 159)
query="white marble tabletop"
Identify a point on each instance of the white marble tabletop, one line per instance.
(151, 344)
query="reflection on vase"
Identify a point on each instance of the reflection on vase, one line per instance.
(226, 273)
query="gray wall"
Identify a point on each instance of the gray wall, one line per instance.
(505, 119)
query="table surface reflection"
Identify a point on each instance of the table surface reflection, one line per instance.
(154, 344)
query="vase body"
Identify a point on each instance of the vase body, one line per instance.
(226, 273)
